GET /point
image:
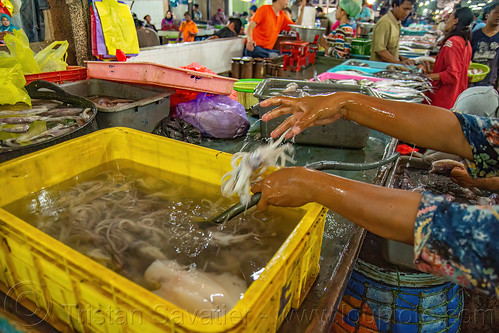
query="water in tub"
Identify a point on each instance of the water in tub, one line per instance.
(140, 222)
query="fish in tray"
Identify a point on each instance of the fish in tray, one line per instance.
(20, 126)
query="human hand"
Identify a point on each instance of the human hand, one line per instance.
(303, 3)
(305, 112)
(460, 176)
(287, 187)
(250, 45)
(408, 62)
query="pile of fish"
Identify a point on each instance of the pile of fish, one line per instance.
(45, 120)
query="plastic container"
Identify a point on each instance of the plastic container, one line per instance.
(74, 293)
(361, 46)
(335, 76)
(150, 106)
(411, 304)
(481, 76)
(160, 75)
(71, 74)
(368, 71)
(245, 89)
(341, 133)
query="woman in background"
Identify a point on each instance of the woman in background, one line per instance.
(168, 22)
(450, 73)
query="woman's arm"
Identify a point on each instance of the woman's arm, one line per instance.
(387, 212)
(425, 125)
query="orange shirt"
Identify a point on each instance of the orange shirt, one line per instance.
(269, 25)
(187, 27)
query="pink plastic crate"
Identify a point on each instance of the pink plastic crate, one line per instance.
(327, 75)
(160, 75)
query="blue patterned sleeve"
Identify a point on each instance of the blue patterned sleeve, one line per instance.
(483, 136)
(459, 242)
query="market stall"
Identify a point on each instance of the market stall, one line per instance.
(119, 170)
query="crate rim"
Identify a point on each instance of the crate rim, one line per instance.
(118, 282)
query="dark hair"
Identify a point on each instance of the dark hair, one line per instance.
(464, 16)
(400, 2)
(253, 8)
(244, 14)
(237, 24)
(187, 13)
(319, 9)
(492, 6)
(195, 5)
(287, 9)
(147, 16)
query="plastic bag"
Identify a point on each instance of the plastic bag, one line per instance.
(118, 27)
(52, 59)
(12, 82)
(18, 45)
(216, 116)
(7, 5)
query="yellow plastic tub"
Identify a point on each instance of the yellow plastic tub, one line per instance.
(74, 293)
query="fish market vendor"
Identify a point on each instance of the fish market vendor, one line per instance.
(7, 25)
(386, 34)
(265, 26)
(458, 241)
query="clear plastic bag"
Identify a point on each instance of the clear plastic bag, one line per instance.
(53, 57)
(217, 116)
(12, 82)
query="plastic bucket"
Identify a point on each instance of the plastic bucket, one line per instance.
(373, 306)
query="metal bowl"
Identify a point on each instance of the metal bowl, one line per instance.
(308, 34)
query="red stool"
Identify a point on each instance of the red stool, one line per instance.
(300, 55)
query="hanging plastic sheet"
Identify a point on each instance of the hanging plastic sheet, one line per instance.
(118, 27)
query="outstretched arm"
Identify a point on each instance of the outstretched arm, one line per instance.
(425, 125)
(387, 212)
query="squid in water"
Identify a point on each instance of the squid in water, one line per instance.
(249, 167)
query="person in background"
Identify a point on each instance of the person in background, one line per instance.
(188, 29)
(265, 26)
(481, 23)
(408, 20)
(232, 29)
(288, 12)
(244, 18)
(219, 17)
(147, 37)
(346, 10)
(450, 239)
(386, 34)
(485, 45)
(252, 12)
(148, 23)
(168, 22)
(476, 20)
(7, 26)
(196, 13)
(366, 14)
(450, 72)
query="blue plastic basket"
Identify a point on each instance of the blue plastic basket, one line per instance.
(376, 306)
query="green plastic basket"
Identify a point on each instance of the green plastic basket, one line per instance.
(245, 89)
(481, 76)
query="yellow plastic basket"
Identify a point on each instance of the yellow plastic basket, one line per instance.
(478, 77)
(74, 293)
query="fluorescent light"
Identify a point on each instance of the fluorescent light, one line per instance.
(481, 4)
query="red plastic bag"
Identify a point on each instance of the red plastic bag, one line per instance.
(404, 149)
(182, 96)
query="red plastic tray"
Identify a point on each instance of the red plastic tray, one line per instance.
(160, 75)
(72, 73)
